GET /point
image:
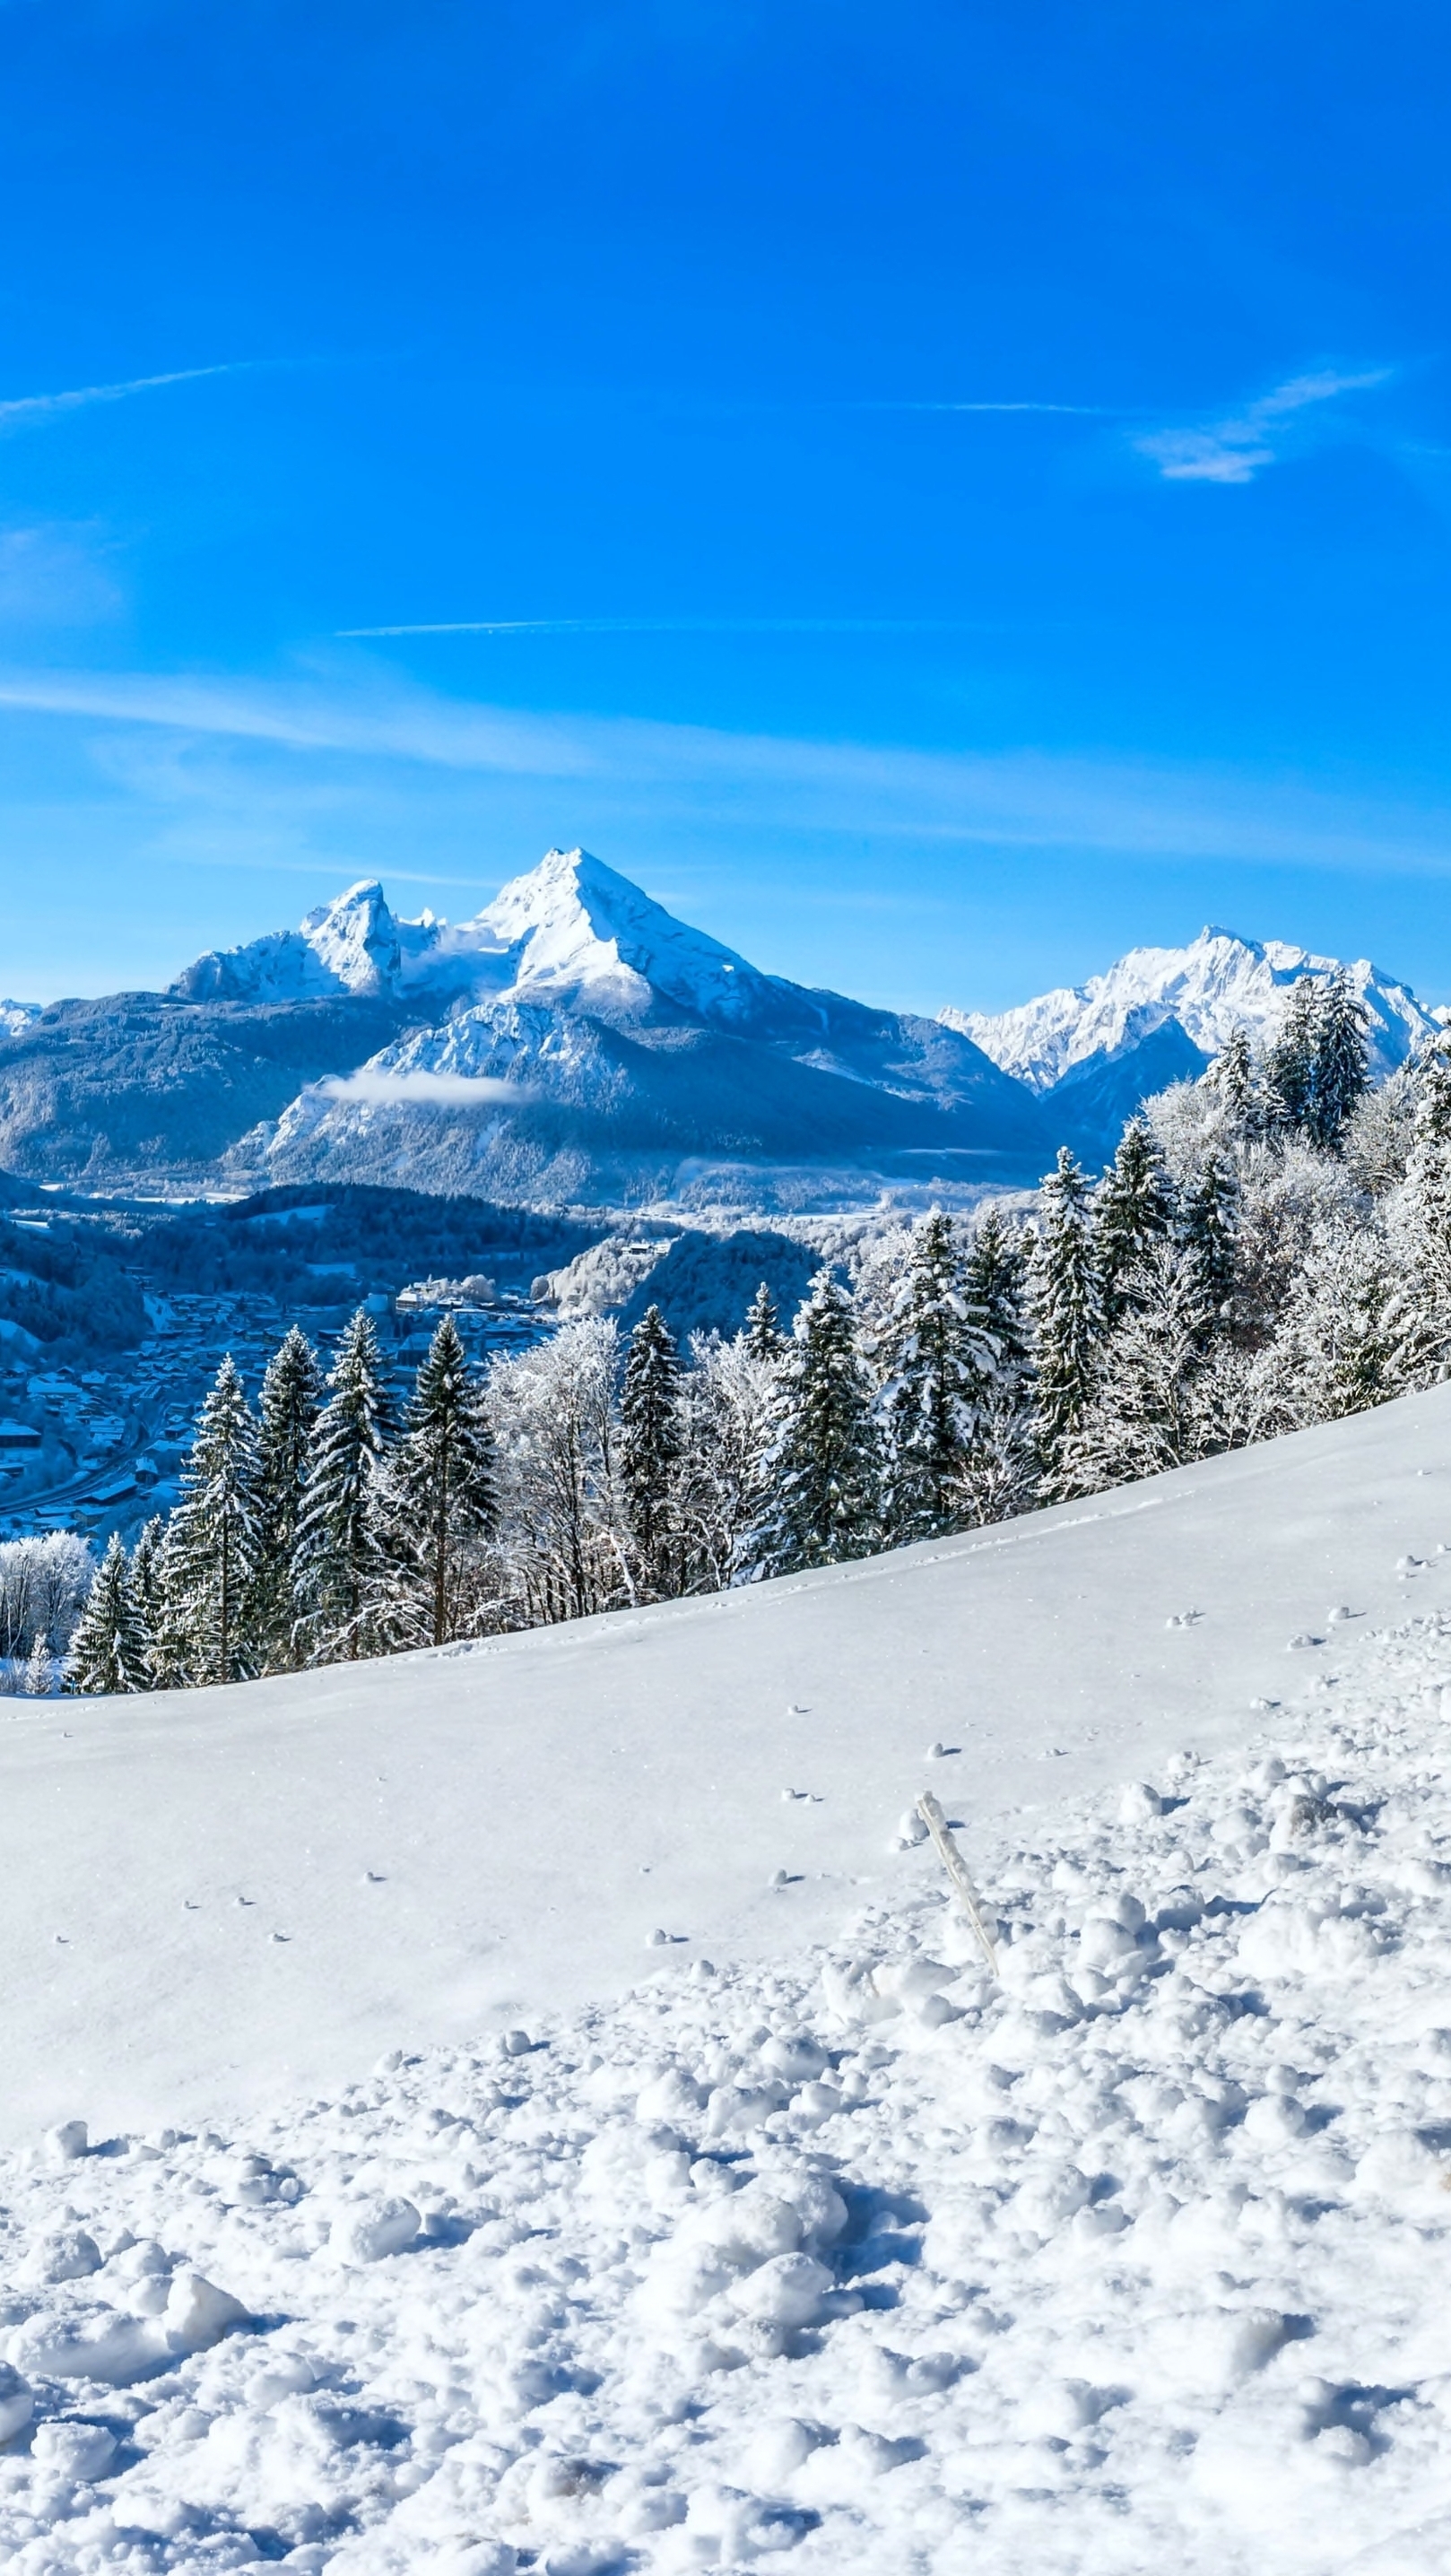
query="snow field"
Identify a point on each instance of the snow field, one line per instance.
(852, 2261)
(211, 1901)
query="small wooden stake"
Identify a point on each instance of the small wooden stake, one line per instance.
(952, 1861)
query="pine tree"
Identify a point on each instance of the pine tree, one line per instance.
(212, 1543)
(1233, 1076)
(173, 1646)
(1208, 1229)
(1132, 1210)
(650, 1444)
(1419, 1219)
(1341, 1062)
(1141, 1417)
(824, 1462)
(287, 1419)
(764, 1337)
(444, 1477)
(1290, 1063)
(40, 1668)
(1433, 1095)
(1067, 1309)
(994, 1279)
(108, 1653)
(345, 1577)
(146, 1573)
(935, 1360)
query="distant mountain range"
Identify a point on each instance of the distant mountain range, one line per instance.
(1204, 992)
(575, 1044)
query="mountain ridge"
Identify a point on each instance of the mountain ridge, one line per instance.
(1210, 986)
(573, 1042)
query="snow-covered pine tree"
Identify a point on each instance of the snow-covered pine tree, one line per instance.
(1133, 1208)
(291, 1400)
(347, 1576)
(147, 1563)
(1208, 1229)
(934, 1361)
(763, 1336)
(1234, 1076)
(1419, 1215)
(1141, 1416)
(1433, 1095)
(649, 1454)
(40, 1669)
(824, 1465)
(1341, 1061)
(1289, 1083)
(444, 1480)
(1001, 1472)
(994, 1281)
(1067, 1309)
(108, 1653)
(171, 1650)
(211, 1549)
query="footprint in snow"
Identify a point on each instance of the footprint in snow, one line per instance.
(1183, 1618)
(1303, 1639)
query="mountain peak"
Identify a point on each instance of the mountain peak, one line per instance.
(1211, 986)
(575, 925)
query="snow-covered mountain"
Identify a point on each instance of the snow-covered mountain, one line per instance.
(571, 1041)
(538, 2106)
(567, 931)
(610, 1051)
(1215, 984)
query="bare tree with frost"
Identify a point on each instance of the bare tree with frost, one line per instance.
(564, 1545)
(723, 1481)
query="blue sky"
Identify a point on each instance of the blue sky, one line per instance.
(939, 494)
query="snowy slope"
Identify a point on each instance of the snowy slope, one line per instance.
(16, 1017)
(1215, 984)
(842, 2258)
(535, 1807)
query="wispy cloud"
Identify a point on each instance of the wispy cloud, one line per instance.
(31, 411)
(1067, 411)
(670, 626)
(624, 775)
(1236, 449)
(373, 1088)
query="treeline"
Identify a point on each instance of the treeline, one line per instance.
(1271, 1246)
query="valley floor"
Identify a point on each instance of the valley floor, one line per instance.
(850, 2261)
